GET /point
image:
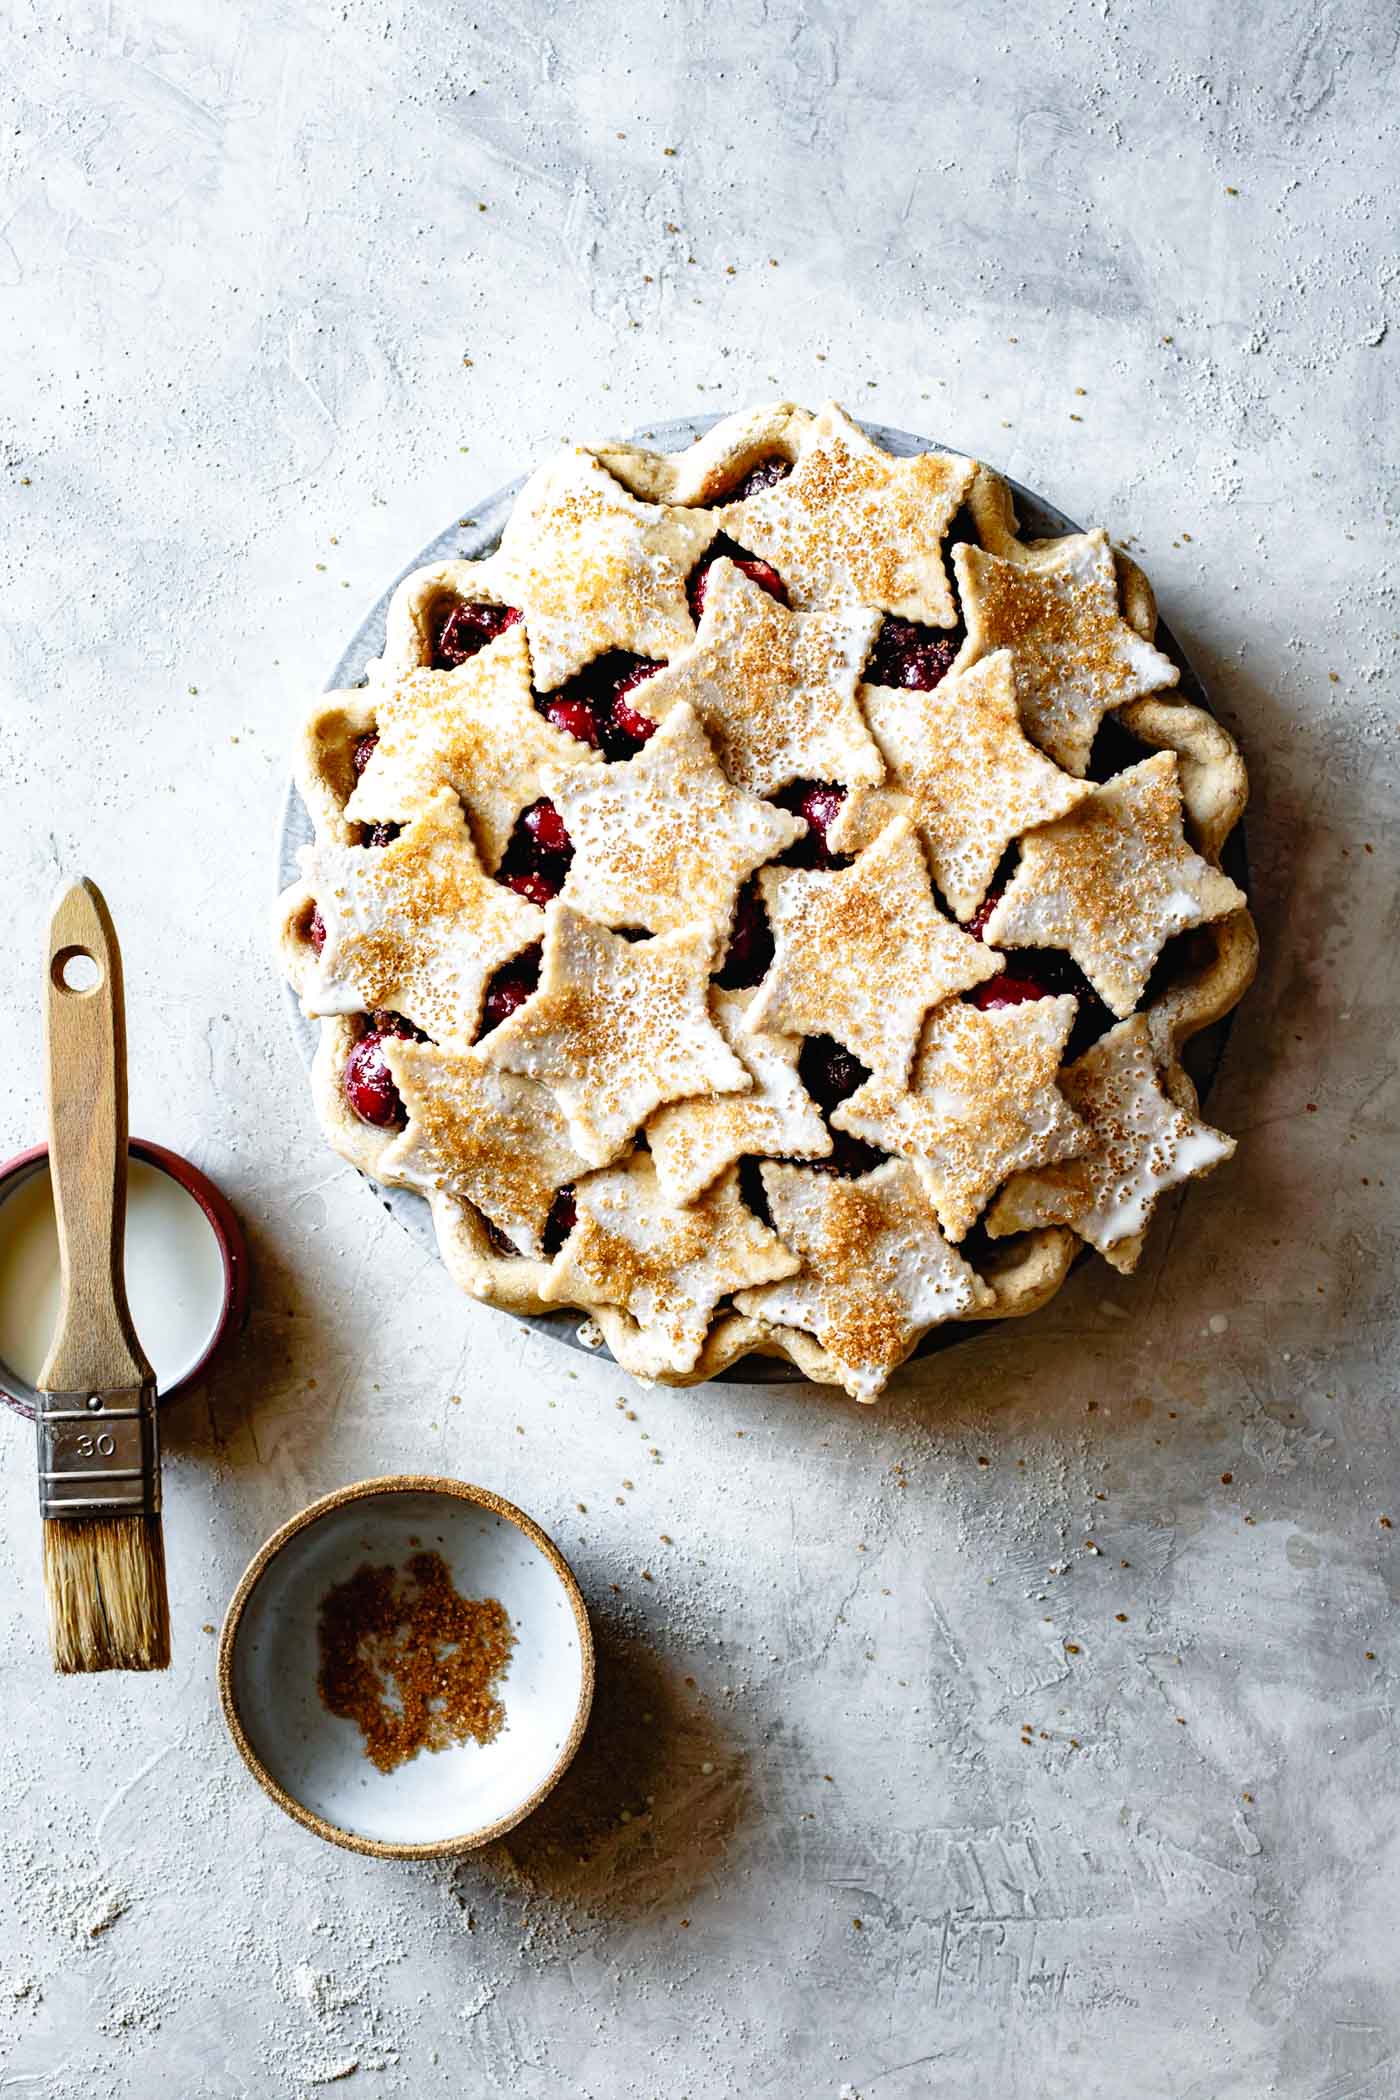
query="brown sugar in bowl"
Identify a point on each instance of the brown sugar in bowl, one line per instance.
(314, 1763)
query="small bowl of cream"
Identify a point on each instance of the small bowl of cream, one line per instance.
(186, 1268)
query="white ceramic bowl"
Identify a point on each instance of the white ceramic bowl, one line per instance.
(312, 1763)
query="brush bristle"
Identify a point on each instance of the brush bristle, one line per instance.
(105, 1580)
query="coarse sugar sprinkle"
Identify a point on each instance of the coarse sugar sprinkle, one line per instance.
(411, 1661)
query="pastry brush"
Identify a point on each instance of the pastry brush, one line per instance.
(99, 1450)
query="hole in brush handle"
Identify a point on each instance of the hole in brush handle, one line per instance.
(76, 970)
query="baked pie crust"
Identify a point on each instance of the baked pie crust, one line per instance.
(944, 1051)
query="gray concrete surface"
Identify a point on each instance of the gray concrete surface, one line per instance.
(281, 288)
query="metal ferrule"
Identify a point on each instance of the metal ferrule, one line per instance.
(99, 1454)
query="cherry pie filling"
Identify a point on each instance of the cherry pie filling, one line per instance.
(750, 952)
(368, 1083)
(911, 657)
(765, 473)
(831, 1073)
(563, 1216)
(818, 803)
(760, 572)
(509, 988)
(537, 855)
(1037, 973)
(466, 628)
(595, 707)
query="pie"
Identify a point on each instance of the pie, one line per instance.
(762, 902)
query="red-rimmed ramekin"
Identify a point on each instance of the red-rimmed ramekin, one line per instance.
(233, 1252)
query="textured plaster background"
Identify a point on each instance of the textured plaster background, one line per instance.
(282, 288)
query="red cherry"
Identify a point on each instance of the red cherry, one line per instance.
(821, 806)
(829, 1071)
(369, 1084)
(977, 924)
(577, 717)
(909, 655)
(625, 718)
(316, 931)
(510, 988)
(764, 575)
(751, 943)
(848, 1156)
(364, 751)
(535, 883)
(1007, 991)
(763, 474)
(546, 827)
(563, 1216)
(637, 673)
(818, 802)
(467, 629)
(760, 572)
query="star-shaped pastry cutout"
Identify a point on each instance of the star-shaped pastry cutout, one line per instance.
(981, 1103)
(666, 1265)
(1112, 882)
(475, 730)
(775, 689)
(480, 1136)
(694, 1141)
(594, 568)
(1076, 657)
(665, 840)
(852, 522)
(1140, 1145)
(616, 1028)
(863, 953)
(416, 926)
(877, 1272)
(974, 782)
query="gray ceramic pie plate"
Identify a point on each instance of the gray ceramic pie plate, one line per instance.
(1038, 520)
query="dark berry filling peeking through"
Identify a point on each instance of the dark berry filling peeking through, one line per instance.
(467, 629)
(765, 473)
(537, 856)
(596, 707)
(831, 1073)
(368, 1083)
(1010, 989)
(818, 802)
(910, 656)
(750, 944)
(760, 572)
(563, 1216)
(546, 827)
(575, 716)
(1037, 973)
(627, 723)
(509, 988)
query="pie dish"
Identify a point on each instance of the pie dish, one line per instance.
(763, 903)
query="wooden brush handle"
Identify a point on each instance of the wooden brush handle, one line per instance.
(94, 1346)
